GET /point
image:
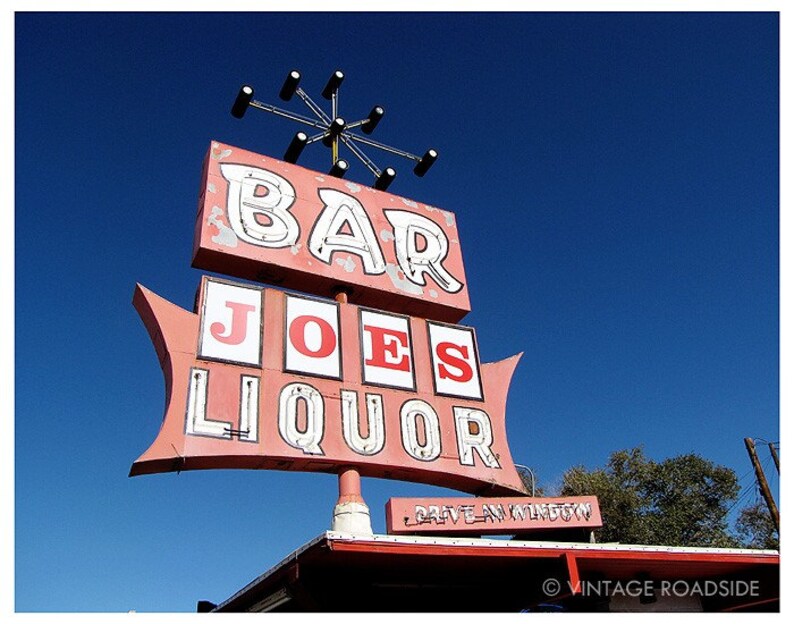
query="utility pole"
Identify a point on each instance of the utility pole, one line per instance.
(765, 492)
(775, 458)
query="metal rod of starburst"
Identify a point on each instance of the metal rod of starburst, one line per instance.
(269, 108)
(317, 137)
(360, 155)
(312, 106)
(381, 146)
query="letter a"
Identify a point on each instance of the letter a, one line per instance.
(327, 237)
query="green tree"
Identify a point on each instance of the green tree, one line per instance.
(681, 501)
(756, 529)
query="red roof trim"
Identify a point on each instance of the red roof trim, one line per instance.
(362, 545)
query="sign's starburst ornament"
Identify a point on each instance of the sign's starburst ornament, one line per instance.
(332, 129)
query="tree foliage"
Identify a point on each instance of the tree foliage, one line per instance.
(756, 529)
(681, 501)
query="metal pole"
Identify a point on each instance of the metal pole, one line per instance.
(351, 514)
(775, 458)
(334, 115)
(349, 486)
(531, 474)
(765, 491)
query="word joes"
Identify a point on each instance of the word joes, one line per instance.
(232, 318)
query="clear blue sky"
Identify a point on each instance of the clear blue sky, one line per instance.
(615, 181)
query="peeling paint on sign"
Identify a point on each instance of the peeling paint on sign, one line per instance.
(393, 271)
(221, 155)
(347, 264)
(225, 235)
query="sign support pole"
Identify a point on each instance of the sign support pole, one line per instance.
(351, 514)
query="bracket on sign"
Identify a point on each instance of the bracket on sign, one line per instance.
(332, 129)
(239, 433)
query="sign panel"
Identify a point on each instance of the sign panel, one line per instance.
(387, 352)
(332, 385)
(455, 361)
(270, 221)
(484, 516)
(225, 333)
(311, 338)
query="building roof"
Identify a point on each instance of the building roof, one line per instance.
(343, 572)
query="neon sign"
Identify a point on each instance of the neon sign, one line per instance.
(259, 378)
(270, 221)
